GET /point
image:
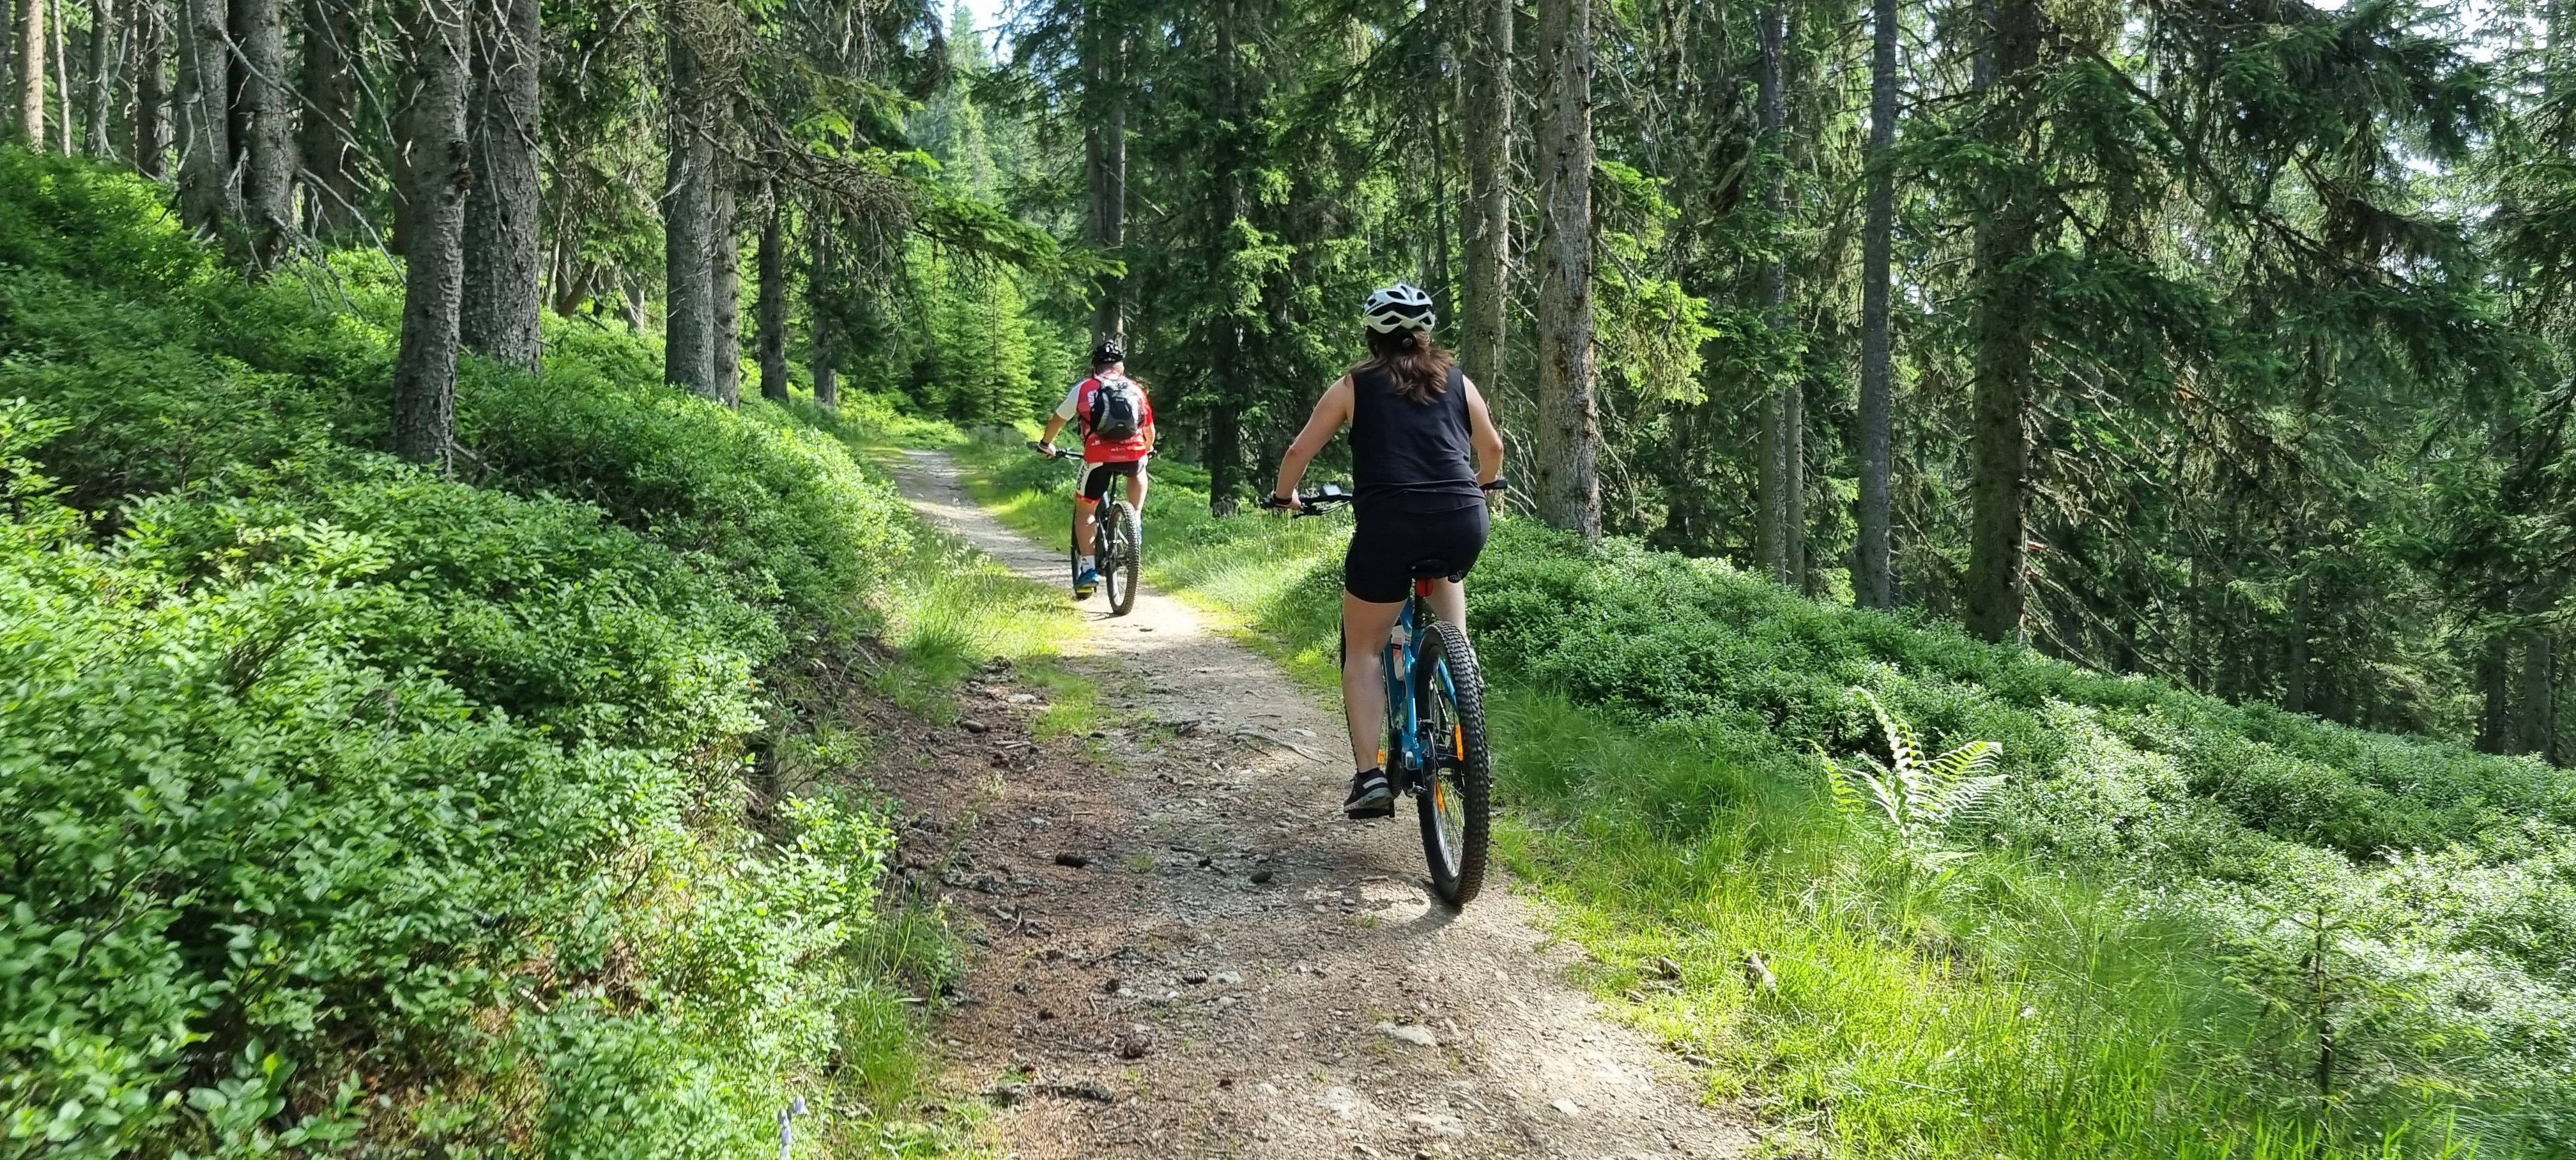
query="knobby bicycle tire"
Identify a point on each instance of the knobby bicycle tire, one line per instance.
(1470, 772)
(1123, 564)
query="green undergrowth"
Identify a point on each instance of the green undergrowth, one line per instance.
(2182, 927)
(346, 807)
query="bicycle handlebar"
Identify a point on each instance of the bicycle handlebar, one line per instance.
(1314, 503)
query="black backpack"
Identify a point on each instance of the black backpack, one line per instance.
(1117, 409)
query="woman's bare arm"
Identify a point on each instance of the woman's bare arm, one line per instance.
(1487, 437)
(1331, 412)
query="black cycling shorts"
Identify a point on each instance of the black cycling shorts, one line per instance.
(1390, 548)
(1096, 476)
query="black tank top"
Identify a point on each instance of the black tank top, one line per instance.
(1408, 456)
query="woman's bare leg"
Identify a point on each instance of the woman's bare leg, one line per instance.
(1449, 600)
(1364, 631)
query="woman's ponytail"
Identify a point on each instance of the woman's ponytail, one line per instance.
(1416, 363)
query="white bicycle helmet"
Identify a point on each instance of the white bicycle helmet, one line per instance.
(1402, 306)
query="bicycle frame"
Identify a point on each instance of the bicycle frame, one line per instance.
(1403, 710)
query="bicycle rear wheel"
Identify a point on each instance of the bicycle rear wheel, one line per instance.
(1456, 805)
(1123, 544)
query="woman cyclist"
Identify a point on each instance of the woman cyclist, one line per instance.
(1413, 418)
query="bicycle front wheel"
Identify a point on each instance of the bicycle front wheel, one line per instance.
(1119, 557)
(1456, 805)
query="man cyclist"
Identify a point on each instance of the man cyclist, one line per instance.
(1414, 420)
(1117, 437)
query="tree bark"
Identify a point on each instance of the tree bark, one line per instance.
(105, 35)
(2302, 615)
(1442, 277)
(2537, 700)
(504, 295)
(724, 284)
(826, 365)
(151, 21)
(440, 36)
(1778, 484)
(267, 109)
(773, 295)
(1483, 303)
(1105, 156)
(2002, 333)
(32, 57)
(689, 318)
(1224, 452)
(9, 67)
(2495, 686)
(330, 147)
(1568, 425)
(66, 140)
(208, 200)
(1873, 566)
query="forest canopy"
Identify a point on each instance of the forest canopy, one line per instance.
(2223, 341)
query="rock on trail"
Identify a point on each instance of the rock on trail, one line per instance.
(1186, 951)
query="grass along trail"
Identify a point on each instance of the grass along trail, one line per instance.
(1231, 968)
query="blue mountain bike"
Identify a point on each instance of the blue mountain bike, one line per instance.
(1434, 747)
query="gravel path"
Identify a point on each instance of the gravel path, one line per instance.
(1187, 952)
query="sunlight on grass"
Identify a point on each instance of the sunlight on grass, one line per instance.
(2007, 1008)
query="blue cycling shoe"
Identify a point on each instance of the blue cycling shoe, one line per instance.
(1085, 584)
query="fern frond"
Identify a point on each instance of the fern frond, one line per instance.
(1905, 751)
(1885, 792)
(1842, 784)
(1967, 761)
(1969, 799)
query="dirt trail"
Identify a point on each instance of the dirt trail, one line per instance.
(1234, 970)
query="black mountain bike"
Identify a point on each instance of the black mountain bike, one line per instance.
(1434, 748)
(1117, 542)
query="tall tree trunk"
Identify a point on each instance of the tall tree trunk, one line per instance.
(106, 36)
(1568, 424)
(826, 364)
(66, 138)
(32, 58)
(330, 148)
(1777, 486)
(1442, 279)
(2537, 700)
(504, 295)
(773, 293)
(208, 200)
(2002, 332)
(2495, 688)
(1224, 452)
(9, 66)
(689, 319)
(2302, 615)
(151, 89)
(440, 33)
(1484, 302)
(724, 284)
(1105, 157)
(268, 124)
(1873, 567)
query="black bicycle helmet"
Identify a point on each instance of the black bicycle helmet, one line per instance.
(1109, 351)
